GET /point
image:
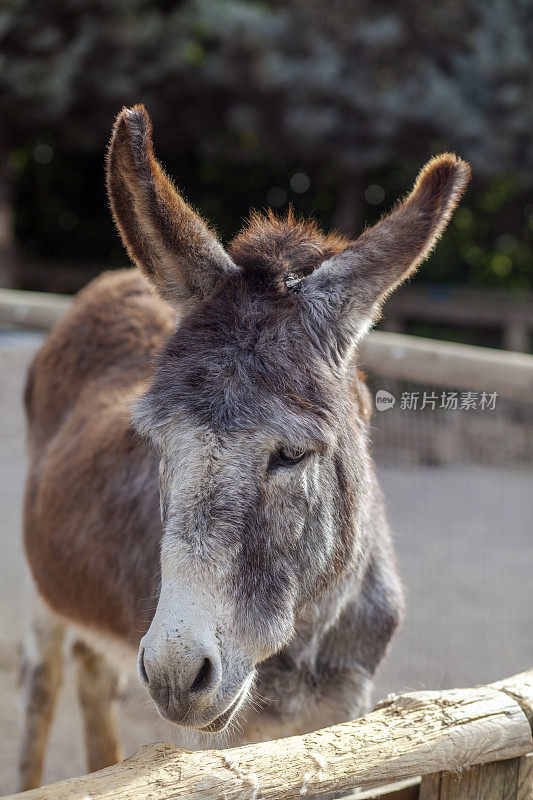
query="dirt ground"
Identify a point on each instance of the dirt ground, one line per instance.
(465, 549)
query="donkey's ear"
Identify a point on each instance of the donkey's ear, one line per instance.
(346, 292)
(172, 246)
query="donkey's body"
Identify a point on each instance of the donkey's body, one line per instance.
(277, 579)
(96, 563)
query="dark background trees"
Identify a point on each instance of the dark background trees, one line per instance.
(330, 106)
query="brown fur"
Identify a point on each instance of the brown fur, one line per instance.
(286, 246)
(40, 680)
(401, 240)
(98, 693)
(79, 395)
(91, 478)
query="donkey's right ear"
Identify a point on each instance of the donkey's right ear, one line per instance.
(167, 240)
(344, 295)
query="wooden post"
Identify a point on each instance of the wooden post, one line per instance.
(525, 778)
(516, 336)
(405, 790)
(496, 781)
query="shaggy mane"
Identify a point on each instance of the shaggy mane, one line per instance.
(283, 245)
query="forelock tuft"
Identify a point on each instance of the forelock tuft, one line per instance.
(283, 246)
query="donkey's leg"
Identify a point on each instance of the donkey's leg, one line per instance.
(41, 676)
(98, 688)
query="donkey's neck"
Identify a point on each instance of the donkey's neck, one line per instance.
(319, 618)
(323, 676)
(311, 682)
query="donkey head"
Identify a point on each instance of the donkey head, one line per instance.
(258, 415)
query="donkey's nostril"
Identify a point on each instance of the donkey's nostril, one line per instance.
(141, 666)
(204, 678)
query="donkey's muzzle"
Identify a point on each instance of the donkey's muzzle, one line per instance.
(183, 682)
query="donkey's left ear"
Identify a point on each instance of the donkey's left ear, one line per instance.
(344, 295)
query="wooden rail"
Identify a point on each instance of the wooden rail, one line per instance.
(461, 306)
(450, 365)
(410, 358)
(453, 306)
(468, 744)
(38, 310)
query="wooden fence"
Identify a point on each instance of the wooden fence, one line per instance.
(464, 307)
(466, 744)
(506, 313)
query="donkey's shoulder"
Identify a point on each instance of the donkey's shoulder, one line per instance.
(121, 307)
(114, 327)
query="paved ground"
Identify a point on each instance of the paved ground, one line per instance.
(465, 548)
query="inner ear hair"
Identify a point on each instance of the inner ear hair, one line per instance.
(344, 295)
(436, 193)
(391, 250)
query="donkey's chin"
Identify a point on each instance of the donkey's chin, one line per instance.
(205, 723)
(224, 719)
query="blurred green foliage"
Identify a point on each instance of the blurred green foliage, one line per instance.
(331, 107)
(62, 210)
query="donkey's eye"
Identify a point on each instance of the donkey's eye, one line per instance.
(285, 457)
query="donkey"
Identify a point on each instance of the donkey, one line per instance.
(198, 434)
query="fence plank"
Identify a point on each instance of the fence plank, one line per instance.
(430, 786)
(525, 778)
(32, 309)
(454, 366)
(408, 790)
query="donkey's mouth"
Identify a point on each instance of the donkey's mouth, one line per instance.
(220, 722)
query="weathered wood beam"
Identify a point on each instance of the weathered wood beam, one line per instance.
(446, 364)
(520, 688)
(405, 736)
(32, 309)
